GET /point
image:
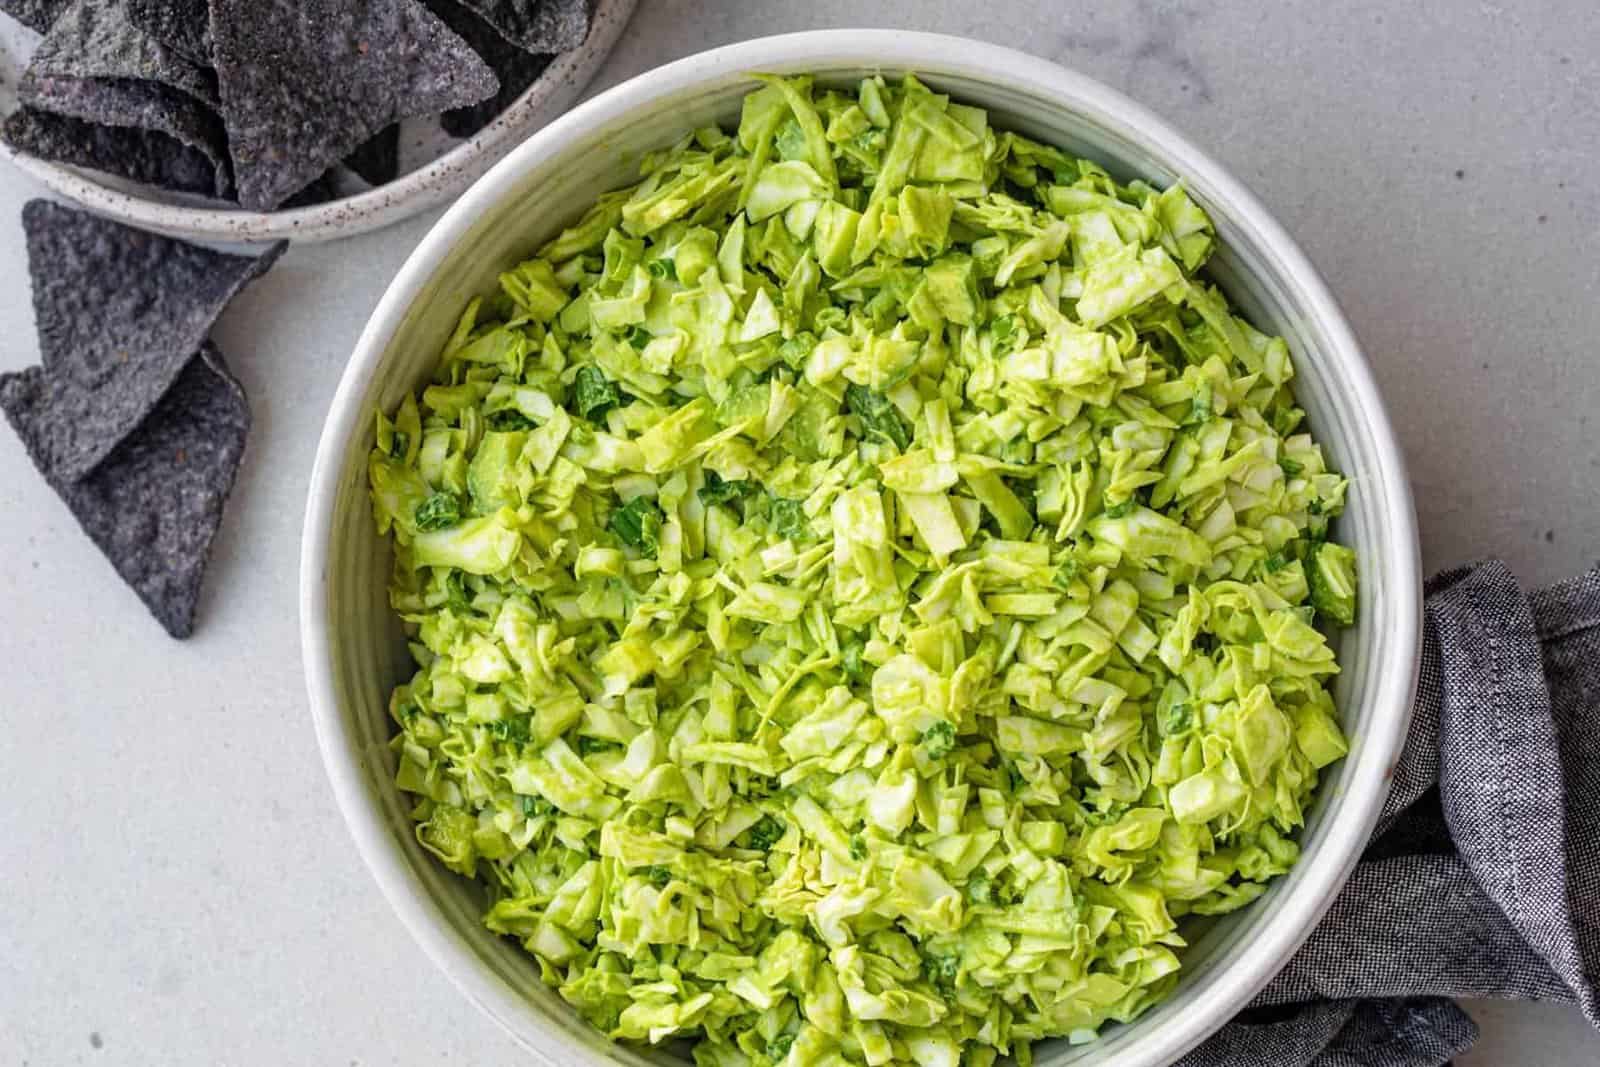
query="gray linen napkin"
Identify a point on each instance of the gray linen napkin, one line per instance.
(1483, 879)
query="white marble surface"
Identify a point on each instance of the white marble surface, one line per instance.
(178, 887)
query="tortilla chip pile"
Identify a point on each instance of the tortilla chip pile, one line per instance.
(257, 101)
(132, 416)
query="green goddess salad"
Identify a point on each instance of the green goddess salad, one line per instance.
(867, 590)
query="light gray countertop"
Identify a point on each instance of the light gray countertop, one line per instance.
(179, 888)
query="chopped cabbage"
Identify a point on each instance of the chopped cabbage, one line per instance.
(865, 589)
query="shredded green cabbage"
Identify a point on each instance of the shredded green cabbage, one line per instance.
(865, 588)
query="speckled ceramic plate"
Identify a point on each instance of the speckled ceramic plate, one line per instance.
(434, 166)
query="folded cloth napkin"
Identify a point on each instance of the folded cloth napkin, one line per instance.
(1483, 879)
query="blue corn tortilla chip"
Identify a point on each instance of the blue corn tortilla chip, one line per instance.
(99, 39)
(516, 68)
(306, 82)
(378, 161)
(119, 313)
(183, 25)
(154, 505)
(537, 25)
(131, 104)
(321, 191)
(138, 155)
(34, 14)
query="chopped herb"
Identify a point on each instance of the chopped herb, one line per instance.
(878, 416)
(638, 336)
(638, 524)
(869, 140)
(788, 518)
(779, 1046)
(456, 594)
(718, 491)
(942, 970)
(1202, 408)
(515, 729)
(534, 807)
(440, 511)
(939, 739)
(979, 889)
(850, 661)
(593, 393)
(1179, 718)
(1004, 332)
(508, 420)
(766, 832)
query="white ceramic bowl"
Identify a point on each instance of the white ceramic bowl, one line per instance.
(445, 168)
(352, 648)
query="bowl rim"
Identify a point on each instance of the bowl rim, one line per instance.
(1296, 914)
(568, 74)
